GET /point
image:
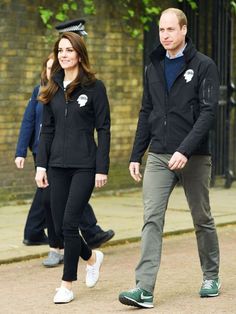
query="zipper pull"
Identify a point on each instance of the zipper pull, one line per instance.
(40, 128)
(165, 121)
(66, 109)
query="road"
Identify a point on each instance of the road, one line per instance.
(28, 287)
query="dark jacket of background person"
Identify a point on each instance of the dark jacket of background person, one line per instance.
(30, 126)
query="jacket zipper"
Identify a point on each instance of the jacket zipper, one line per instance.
(165, 119)
(66, 108)
(65, 117)
(166, 105)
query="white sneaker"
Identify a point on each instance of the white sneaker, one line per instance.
(92, 275)
(63, 295)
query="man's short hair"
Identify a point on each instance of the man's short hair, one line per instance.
(180, 15)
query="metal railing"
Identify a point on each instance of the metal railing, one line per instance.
(210, 27)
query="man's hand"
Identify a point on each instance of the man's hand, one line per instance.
(134, 171)
(100, 180)
(20, 162)
(41, 178)
(177, 161)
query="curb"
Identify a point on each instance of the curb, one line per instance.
(112, 243)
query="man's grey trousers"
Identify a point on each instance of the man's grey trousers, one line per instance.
(158, 184)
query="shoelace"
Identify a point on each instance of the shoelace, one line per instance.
(208, 283)
(134, 289)
(91, 270)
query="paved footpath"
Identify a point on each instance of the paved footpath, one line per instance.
(28, 288)
(122, 212)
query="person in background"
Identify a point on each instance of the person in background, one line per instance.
(180, 97)
(34, 233)
(75, 104)
(28, 138)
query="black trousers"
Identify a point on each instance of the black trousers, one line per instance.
(54, 240)
(35, 222)
(39, 217)
(87, 225)
(70, 191)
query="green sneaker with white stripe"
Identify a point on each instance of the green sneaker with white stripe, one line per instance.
(137, 297)
(210, 288)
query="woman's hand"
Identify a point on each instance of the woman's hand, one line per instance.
(100, 180)
(41, 178)
(20, 161)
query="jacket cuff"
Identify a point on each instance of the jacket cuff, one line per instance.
(41, 168)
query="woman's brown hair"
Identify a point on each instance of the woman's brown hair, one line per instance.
(85, 75)
(44, 79)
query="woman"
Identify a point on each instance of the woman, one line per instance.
(75, 104)
(29, 137)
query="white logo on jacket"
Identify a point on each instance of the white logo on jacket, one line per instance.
(188, 75)
(82, 100)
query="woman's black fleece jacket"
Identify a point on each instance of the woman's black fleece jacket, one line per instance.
(67, 135)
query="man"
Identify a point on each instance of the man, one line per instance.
(35, 223)
(178, 109)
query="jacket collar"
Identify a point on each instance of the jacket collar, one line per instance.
(159, 52)
(58, 78)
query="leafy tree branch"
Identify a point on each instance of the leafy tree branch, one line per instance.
(135, 14)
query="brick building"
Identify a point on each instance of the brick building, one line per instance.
(114, 56)
(117, 60)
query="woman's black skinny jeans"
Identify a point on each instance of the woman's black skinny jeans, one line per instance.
(71, 189)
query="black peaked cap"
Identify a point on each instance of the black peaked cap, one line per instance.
(75, 26)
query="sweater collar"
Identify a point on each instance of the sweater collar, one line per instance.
(180, 53)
